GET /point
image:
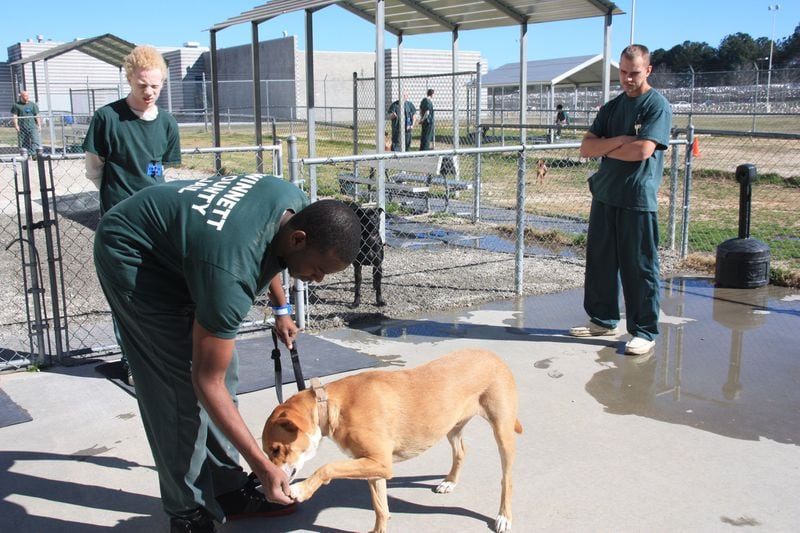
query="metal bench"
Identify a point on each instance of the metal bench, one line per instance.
(350, 185)
(430, 170)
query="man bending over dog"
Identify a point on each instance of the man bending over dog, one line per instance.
(181, 264)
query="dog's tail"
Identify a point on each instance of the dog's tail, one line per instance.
(517, 426)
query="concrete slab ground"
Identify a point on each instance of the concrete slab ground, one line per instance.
(701, 435)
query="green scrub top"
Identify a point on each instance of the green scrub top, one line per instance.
(132, 148)
(632, 184)
(26, 118)
(198, 245)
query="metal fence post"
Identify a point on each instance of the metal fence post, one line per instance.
(519, 271)
(476, 203)
(39, 327)
(687, 189)
(673, 194)
(52, 255)
(299, 289)
(355, 118)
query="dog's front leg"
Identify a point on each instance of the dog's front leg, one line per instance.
(380, 503)
(377, 284)
(363, 468)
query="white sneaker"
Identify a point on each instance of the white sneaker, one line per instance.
(592, 330)
(639, 346)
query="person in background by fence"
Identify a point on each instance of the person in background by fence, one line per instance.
(562, 119)
(630, 133)
(410, 113)
(181, 264)
(426, 140)
(129, 141)
(25, 116)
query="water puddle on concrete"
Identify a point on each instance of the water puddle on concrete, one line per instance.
(727, 361)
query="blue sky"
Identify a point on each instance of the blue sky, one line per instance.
(658, 24)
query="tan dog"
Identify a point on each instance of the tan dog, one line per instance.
(379, 417)
(541, 171)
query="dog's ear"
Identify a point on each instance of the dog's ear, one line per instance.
(287, 425)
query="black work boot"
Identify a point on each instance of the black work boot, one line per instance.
(249, 502)
(197, 522)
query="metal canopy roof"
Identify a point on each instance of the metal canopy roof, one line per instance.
(415, 17)
(573, 71)
(107, 47)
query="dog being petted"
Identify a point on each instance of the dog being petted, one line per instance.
(374, 417)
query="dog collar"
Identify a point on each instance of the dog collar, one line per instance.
(322, 404)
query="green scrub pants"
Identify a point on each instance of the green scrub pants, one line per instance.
(622, 245)
(426, 137)
(194, 460)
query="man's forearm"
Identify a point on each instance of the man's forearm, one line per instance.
(638, 150)
(277, 296)
(601, 146)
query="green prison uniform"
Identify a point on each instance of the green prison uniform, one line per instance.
(410, 111)
(170, 254)
(129, 145)
(426, 136)
(28, 136)
(622, 243)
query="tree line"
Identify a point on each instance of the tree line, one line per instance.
(738, 51)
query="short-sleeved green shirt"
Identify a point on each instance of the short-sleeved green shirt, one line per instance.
(26, 118)
(408, 109)
(426, 105)
(129, 144)
(197, 245)
(632, 184)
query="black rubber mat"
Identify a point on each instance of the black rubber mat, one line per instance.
(318, 358)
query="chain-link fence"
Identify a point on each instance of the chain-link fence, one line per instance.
(775, 200)
(470, 223)
(534, 201)
(53, 305)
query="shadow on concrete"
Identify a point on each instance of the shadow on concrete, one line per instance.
(18, 518)
(354, 494)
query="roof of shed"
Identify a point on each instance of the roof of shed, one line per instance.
(414, 17)
(106, 47)
(575, 71)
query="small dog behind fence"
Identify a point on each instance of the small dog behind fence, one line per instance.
(541, 171)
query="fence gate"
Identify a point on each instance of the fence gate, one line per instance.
(31, 268)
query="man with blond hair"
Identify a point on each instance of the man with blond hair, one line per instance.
(130, 141)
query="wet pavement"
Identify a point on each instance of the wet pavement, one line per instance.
(700, 435)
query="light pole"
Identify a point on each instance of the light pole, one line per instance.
(774, 8)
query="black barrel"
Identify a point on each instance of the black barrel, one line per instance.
(743, 263)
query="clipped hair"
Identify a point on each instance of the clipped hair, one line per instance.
(144, 57)
(636, 50)
(330, 225)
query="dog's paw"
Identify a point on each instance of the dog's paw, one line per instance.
(380, 303)
(297, 493)
(445, 487)
(502, 524)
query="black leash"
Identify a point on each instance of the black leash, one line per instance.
(298, 371)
